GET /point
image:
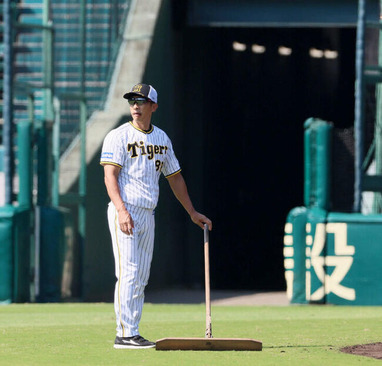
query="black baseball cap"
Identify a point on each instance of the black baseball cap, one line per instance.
(143, 90)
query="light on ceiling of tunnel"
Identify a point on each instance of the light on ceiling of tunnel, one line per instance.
(315, 53)
(237, 46)
(256, 48)
(330, 54)
(285, 51)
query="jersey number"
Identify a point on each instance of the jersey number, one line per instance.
(158, 165)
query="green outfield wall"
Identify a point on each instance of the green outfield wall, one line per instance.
(334, 259)
(330, 257)
(15, 254)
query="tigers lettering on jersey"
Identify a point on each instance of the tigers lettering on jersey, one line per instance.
(150, 150)
(142, 157)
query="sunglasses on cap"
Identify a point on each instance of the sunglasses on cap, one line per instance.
(139, 101)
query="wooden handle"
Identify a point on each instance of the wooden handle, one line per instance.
(207, 283)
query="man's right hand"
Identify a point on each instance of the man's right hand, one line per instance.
(126, 223)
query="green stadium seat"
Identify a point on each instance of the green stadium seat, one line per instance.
(100, 43)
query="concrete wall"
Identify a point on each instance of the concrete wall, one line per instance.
(236, 122)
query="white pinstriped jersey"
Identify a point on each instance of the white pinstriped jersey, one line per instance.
(142, 157)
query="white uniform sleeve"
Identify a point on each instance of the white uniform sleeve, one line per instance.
(171, 164)
(113, 151)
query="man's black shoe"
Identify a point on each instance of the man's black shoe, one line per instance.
(135, 342)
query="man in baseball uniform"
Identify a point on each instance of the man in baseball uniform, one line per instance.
(133, 156)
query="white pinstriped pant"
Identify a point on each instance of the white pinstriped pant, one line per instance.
(132, 256)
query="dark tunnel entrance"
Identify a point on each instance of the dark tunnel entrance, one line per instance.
(257, 88)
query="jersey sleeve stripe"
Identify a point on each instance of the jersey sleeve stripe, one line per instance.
(109, 163)
(170, 175)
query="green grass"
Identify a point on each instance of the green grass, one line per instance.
(83, 334)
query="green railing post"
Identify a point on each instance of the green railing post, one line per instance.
(47, 57)
(42, 163)
(56, 154)
(82, 188)
(83, 46)
(8, 101)
(377, 204)
(31, 108)
(358, 108)
(24, 145)
(82, 182)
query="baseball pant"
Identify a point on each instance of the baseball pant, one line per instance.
(132, 256)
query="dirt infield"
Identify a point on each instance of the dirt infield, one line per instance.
(172, 296)
(373, 350)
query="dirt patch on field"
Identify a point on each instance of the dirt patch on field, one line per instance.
(369, 350)
(171, 296)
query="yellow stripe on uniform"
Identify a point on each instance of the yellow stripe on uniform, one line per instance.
(103, 163)
(119, 272)
(170, 175)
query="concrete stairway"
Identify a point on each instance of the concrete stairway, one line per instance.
(136, 44)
